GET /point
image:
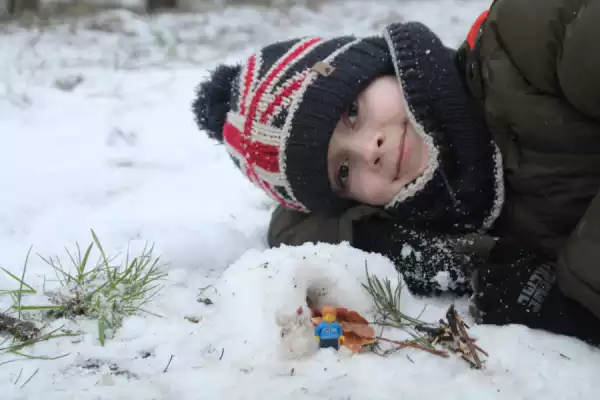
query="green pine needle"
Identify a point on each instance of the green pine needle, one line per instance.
(387, 302)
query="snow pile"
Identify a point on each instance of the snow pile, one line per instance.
(264, 290)
(250, 342)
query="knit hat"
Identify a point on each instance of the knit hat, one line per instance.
(276, 114)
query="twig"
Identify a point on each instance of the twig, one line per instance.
(19, 376)
(408, 343)
(30, 378)
(451, 334)
(410, 359)
(482, 351)
(457, 326)
(222, 352)
(169, 363)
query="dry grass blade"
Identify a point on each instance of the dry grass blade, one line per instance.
(415, 345)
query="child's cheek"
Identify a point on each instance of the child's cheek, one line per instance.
(371, 189)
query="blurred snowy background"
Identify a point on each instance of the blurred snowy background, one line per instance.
(96, 133)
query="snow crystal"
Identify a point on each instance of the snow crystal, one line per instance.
(408, 251)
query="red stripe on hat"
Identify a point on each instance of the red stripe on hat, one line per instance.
(263, 155)
(269, 161)
(234, 137)
(247, 83)
(267, 82)
(251, 173)
(256, 153)
(291, 88)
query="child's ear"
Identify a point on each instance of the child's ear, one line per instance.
(213, 99)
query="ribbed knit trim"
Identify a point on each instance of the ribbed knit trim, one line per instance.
(462, 188)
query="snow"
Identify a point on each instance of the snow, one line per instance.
(97, 134)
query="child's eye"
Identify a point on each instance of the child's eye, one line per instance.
(343, 175)
(353, 112)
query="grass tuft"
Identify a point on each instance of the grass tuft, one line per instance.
(107, 290)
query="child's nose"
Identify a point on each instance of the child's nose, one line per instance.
(372, 150)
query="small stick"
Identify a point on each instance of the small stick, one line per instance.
(470, 345)
(461, 337)
(30, 378)
(18, 377)
(469, 361)
(222, 352)
(169, 363)
(414, 346)
(480, 350)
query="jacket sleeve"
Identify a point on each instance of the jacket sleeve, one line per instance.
(578, 272)
(294, 228)
(553, 45)
(579, 63)
(430, 263)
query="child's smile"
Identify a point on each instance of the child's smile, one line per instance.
(375, 151)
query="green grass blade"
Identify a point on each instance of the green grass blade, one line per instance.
(20, 281)
(37, 308)
(85, 259)
(30, 357)
(20, 294)
(101, 330)
(104, 258)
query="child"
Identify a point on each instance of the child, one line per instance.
(484, 162)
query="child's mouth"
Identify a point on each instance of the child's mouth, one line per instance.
(401, 154)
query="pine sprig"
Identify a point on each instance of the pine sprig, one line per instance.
(451, 334)
(387, 302)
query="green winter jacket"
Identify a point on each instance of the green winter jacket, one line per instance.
(535, 69)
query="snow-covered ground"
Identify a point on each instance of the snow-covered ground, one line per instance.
(96, 133)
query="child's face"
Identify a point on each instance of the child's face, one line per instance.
(375, 151)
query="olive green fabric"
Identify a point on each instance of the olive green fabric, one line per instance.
(536, 71)
(294, 228)
(539, 73)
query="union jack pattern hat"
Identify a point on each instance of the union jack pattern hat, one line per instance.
(276, 113)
